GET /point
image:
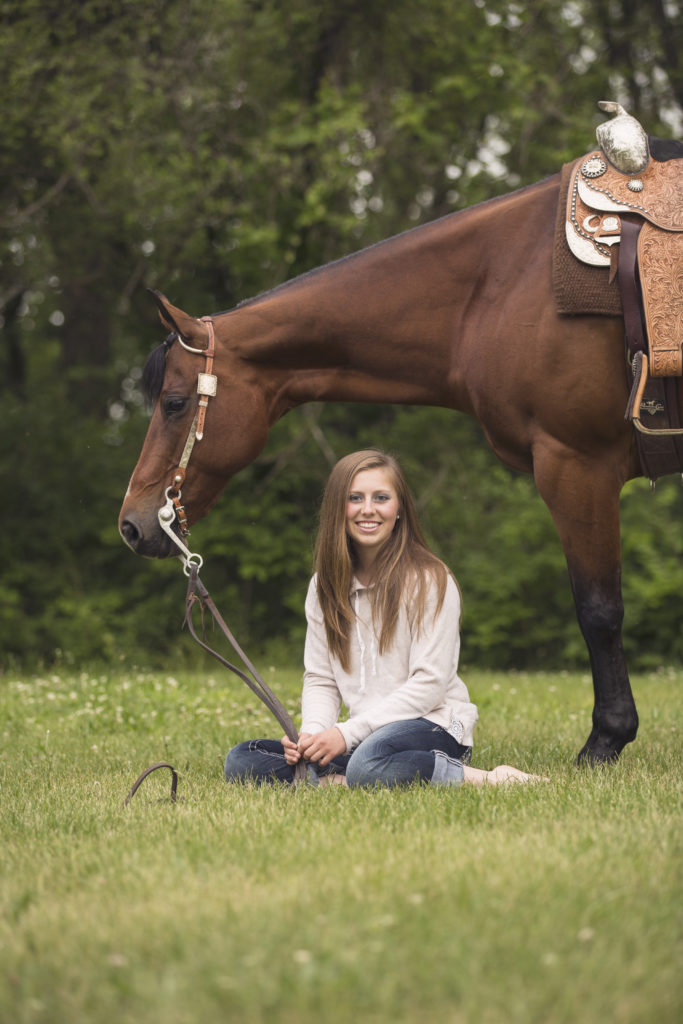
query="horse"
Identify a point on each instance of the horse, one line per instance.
(457, 313)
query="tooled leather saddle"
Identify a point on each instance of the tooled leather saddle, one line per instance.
(624, 210)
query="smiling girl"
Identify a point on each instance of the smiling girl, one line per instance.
(383, 639)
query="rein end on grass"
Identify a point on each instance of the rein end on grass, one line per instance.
(148, 771)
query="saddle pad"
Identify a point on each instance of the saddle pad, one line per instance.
(578, 288)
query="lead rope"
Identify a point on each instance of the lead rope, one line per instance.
(198, 594)
(172, 511)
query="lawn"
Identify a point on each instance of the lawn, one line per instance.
(555, 903)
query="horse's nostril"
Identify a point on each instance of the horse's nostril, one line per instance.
(130, 533)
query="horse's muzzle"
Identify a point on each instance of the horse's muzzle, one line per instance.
(147, 539)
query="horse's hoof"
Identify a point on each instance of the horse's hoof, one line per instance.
(599, 750)
(590, 757)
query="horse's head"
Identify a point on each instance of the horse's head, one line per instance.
(234, 432)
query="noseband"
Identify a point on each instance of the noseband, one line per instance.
(173, 509)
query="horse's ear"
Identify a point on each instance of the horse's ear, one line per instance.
(191, 330)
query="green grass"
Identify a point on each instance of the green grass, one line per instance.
(557, 903)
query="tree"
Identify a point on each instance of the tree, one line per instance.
(214, 152)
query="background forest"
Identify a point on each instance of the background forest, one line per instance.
(213, 150)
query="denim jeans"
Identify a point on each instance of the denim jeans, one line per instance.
(395, 755)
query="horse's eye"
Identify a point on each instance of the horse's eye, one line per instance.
(174, 405)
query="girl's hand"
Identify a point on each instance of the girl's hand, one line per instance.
(292, 752)
(322, 747)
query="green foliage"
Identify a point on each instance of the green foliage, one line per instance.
(652, 583)
(214, 152)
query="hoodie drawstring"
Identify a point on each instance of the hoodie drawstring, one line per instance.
(361, 644)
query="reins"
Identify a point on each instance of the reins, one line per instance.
(172, 511)
(198, 594)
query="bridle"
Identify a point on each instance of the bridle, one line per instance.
(173, 508)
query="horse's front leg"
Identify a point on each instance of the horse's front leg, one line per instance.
(600, 612)
(583, 498)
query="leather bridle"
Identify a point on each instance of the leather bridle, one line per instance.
(173, 510)
(170, 512)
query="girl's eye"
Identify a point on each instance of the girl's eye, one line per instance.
(375, 497)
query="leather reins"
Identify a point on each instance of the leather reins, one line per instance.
(198, 594)
(172, 512)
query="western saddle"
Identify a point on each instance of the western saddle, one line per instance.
(624, 210)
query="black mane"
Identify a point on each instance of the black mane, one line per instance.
(155, 367)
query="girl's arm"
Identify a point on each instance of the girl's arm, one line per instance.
(320, 699)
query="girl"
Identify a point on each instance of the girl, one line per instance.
(383, 638)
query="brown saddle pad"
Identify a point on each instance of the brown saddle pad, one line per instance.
(579, 289)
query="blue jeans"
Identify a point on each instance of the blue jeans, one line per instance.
(395, 755)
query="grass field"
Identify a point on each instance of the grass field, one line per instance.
(556, 903)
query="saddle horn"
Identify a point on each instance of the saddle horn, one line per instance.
(623, 139)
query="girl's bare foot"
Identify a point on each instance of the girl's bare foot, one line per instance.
(504, 774)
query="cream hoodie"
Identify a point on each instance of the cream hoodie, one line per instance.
(417, 678)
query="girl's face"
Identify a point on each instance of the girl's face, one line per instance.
(371, 511)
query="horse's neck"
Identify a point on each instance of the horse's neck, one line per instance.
(383, 325)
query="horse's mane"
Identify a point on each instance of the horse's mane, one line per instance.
(153, 371)
(300, 278)
(155, 368)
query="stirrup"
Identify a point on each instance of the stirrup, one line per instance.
(640, 375)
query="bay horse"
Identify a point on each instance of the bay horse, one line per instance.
(457, 313)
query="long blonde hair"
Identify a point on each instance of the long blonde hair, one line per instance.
(404, 565)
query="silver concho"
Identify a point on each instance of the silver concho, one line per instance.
(594, 167)
(635, 185)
